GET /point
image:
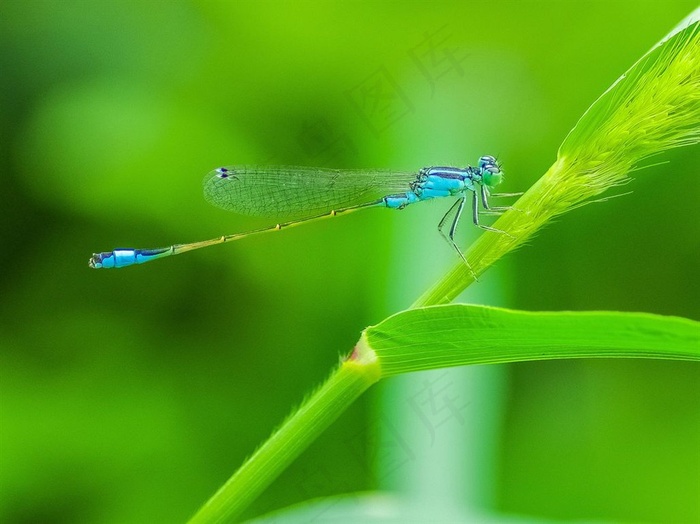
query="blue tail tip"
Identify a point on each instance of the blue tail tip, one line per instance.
(124, 257)
(97, 260)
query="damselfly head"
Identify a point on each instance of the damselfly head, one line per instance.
(491, 173)
(487, 161)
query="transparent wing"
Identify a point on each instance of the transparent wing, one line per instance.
(297, 192)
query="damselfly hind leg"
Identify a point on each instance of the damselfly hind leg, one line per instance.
(456, 208)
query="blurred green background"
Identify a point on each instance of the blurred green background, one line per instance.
(131, 395)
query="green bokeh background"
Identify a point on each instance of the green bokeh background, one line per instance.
(131, 395)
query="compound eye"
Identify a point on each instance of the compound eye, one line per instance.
(487, 160)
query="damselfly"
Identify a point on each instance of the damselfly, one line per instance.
(302, 194)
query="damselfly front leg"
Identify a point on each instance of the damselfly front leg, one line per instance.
(485, 202)
(475, 215)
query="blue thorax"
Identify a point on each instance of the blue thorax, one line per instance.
(436, 182)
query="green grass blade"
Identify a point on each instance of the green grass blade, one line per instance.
(657, 94)
(653, 107)
(459, 334)
(316, 413)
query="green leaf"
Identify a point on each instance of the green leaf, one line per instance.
(457, 335)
